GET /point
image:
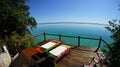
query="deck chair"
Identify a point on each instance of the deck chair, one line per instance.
(58, 52)
(50, 45)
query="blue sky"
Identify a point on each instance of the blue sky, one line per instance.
(96, 11)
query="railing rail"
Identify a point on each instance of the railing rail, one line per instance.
(90, 38)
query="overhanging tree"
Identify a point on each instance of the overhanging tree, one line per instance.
(114, 55)
(14, 16)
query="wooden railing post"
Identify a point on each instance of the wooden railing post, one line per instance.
(78, 40)
(44, 36)
(98, 44)
(59, 37)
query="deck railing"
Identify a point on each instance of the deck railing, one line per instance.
(60, 36)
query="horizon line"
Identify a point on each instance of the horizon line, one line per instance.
(73, 23)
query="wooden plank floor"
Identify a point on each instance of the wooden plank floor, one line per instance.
(78, 57)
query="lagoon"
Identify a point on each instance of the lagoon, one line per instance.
(84, 30)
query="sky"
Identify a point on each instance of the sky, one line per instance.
(94, 11)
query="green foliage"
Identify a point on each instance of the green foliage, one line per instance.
(17, 42)
(14, 16)
(106, 50)
(15, 22)
(27, 41)
(114, 28)
(114, 54)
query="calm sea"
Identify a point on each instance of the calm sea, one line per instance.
(83, 30)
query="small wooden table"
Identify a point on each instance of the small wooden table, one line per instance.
(36, 56)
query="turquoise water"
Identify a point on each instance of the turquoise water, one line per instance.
(84, 30)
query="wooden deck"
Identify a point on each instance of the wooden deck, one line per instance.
(76, 58)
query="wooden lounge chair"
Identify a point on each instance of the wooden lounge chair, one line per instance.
(58, 52)
(50, 45)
